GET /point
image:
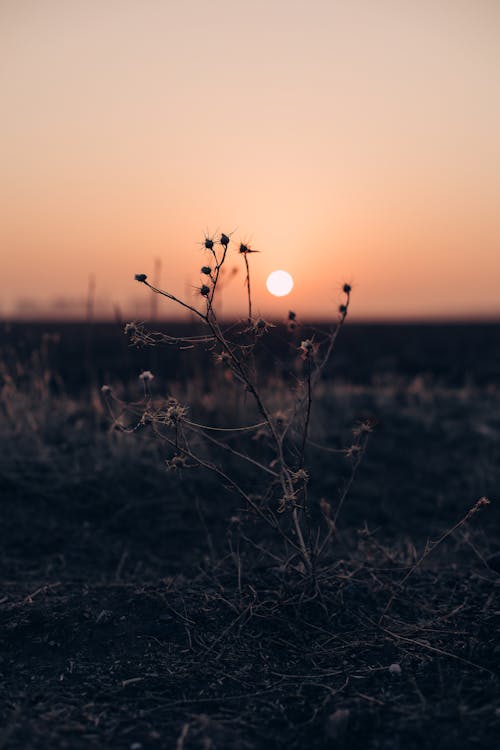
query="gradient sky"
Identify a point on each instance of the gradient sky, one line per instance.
(347, 140)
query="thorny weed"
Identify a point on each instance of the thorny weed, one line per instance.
(274, 445)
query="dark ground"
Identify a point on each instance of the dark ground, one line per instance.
(124, 622)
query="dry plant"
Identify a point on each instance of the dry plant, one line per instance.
(274, 443)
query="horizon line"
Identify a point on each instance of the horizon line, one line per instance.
(378, 320)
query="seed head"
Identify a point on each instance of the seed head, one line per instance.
(300, 476)
(245, 249)
(176, 463)
(175, 413)
(146, 376)
(364, 427)
(204, 290)
(209, 243)
(131, 327)
(306, 349)
(222, 359)
(140, 277)
(171, 414)
(480, 503)
(347, 288)
(224, 240)
(206, 270)
(291, 321)
(342, 309)
(353, 451)
(105, 389)
(259, 327)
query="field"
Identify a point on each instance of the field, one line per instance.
(145, 608)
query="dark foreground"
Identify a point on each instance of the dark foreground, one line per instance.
(139, 608)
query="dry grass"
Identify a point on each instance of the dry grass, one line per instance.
(137, 608)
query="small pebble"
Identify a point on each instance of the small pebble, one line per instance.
(395, 669)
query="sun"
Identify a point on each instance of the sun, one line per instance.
(279, 283)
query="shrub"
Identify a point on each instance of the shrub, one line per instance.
(278, 390)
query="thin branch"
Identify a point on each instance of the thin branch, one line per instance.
(234, 452)
(176, 299)
(249, 291)
(226, 429)
(216, 470)
(433, 545)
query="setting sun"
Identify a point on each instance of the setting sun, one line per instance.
(279, 283)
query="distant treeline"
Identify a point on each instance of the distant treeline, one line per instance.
(99, 353)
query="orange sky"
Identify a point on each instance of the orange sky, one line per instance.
(354, 140)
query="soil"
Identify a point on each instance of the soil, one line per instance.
(140, 609)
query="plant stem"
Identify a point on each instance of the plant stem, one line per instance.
(249, 291)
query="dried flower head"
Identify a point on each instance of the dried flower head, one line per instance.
(288, 499)
(140, 277)
(209, 243)
(307, 346)
(224, 240)
(204, 290)
(260, 326)
(342, 309)
(364, 427)
(146, 376)
(222, 359)
(176, 463)
(480, 504)
(131, 328)
(206, 270)
(347, 288)
(138, 334)
(105, 389)
(308, 349)
(173, 414)
(291, 321)
(300, 476)
(353, 451)
(245, 248)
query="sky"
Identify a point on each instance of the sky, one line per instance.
(354, 140)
